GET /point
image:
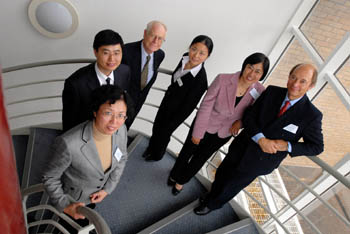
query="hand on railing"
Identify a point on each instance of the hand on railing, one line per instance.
(94, 217)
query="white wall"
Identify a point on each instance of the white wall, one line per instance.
(237, 28)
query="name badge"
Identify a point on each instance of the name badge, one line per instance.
(291, 128)
(118, 154)
(179, 82)
(254, 93)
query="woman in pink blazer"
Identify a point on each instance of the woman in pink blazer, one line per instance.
(219, 117)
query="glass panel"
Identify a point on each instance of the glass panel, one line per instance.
(256, 211)
(307, 174)
(294, 55)
(343, 76)
(325, 220)
(327, 25)
(335, 125)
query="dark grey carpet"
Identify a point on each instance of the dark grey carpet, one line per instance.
(38, 154)
(142, 196)
(20, 146)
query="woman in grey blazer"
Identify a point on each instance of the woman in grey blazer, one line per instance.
(89, 159)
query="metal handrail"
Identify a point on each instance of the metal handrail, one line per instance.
(313, 227)
(331, 171)
(307, 187)
(267, 210)
(94, 217)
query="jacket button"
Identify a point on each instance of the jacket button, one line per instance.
(98, 187)
(101, 179)
(71, 188)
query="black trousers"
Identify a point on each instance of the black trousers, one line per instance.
(192, 157)
(229, 179)
(164, 125)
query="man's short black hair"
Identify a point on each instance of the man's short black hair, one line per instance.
(107, 37)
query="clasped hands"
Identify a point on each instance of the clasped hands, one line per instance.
(94, 198)
(272, 146)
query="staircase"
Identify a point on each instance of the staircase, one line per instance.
(142, 202)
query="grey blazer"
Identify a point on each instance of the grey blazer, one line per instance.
(75, 172)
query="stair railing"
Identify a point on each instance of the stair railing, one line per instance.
(95, 220)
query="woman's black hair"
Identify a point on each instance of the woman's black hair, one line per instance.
(257, 58)
(205, 40)
(110, 94)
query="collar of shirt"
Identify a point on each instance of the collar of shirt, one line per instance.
(292, 102)
(102, 77)
(194, 71)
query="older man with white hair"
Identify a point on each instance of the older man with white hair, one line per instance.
(144, 58)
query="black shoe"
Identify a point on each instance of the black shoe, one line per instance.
(150, 158)
(171, 182)
(202, 210)
(202, 199)
(175, 191)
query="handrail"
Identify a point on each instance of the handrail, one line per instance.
(307, 187)
(46, 63)
(313, 227)
(62, 61)
(331, 171)
(267, 210)
(94, 217)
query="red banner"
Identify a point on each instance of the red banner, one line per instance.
(11, 214)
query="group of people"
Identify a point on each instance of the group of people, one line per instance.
(101, 101)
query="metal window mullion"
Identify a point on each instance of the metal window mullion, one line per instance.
(313, 227)
(339, 89)
(305, 43)
(338, 56)
(316, 195)
(268, 211)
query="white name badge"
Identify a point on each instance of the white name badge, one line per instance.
(255, 94)
(179, 81)
(291, 128)
(118, 154)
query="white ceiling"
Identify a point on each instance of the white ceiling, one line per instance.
(237, 28)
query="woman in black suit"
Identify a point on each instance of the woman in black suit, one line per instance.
(188, 84)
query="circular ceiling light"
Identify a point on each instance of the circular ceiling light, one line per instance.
(53, 18)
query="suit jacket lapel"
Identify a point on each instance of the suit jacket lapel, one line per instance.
(231, 91)
(89, 149)
(296, 109)
(91, 78)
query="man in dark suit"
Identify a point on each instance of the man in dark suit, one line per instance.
(144, 58)
(273, 127)
(107, 69)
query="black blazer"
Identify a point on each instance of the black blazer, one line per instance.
(132, 58)
(77, 91)
(262, 117)
(179, 102)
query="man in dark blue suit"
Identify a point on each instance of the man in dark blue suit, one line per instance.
(144, 58)
(107, 69)
(273, 127)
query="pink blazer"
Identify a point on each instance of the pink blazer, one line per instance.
(217, 111)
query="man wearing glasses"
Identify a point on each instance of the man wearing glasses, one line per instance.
(144, 58)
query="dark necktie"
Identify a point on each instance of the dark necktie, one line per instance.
(108, 80)
(144, 73)
(283, 109)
